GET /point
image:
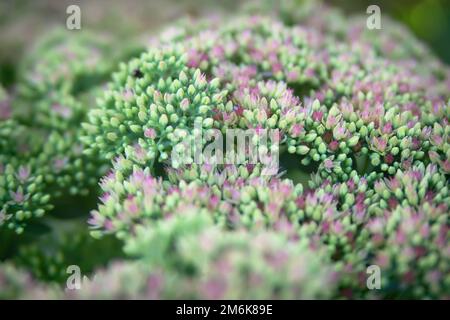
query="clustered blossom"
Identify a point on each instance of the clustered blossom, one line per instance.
(22, 187)
(72, 57)
(232, 201)
(208, 263)
(363, 138)
(151, 106)
(411, 246)
(41, 155)
(19, 283)
(379, 136)
(205, 263)
(349, 104)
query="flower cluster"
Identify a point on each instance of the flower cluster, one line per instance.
(22, 185)
(362, 133)
(341, 106)
(150, 107)
(185, 257)
(370, 131)
(411, 247)
(17, 283)
(41, 155)
(232, 200)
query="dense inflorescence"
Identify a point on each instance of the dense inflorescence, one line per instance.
(339, 106)
(22, 186)
(362, 132)
(374, 133)
(19, 283)
(41, 156)
(206, 262)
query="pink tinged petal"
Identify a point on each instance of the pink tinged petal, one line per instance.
(387, 128)
(139, 152)
(434, 276)
(400, 237)
(17, 196)
(214, 201)
(63, 111)
(334, 145)
(184, 104)
(277, 67)
(429, 196)
(255, 280)
(338, 227)
(420, 251)
(233, 217)
(317, 116)
(59, 164)
(23, 174)
(296, 130)
(292, 75)
(239, 110)
(389, 158)
(131, 206)
(193, 59)
(379, 143)
(105, 197)
(214, 289)
(437, 140)
(150, 133)
(3, 218)
(425, 231)
(406, 164)
(328, 164)
(379, 187)
(360, 211)
(415, 143)
(434, 156)
(218, 52)
(393, 203)
(310, 73)
(257, 55)
(382, 260)
(259, 130)
(446, 166)
(378, 238)
(5, 110)
(96, 219)
(300, 202)
(330, 123)
(277, 259)
(155, 285)
(128, 95)
(351, 185)
(273, 209)
(108, 225)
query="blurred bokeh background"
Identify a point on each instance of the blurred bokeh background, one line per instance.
(22, 21)
(429, 20)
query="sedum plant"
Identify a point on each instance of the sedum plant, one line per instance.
(42, 152)
(372, 133)
(362, 134)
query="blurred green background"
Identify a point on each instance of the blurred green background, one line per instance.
(21, 21)
(429, 20)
